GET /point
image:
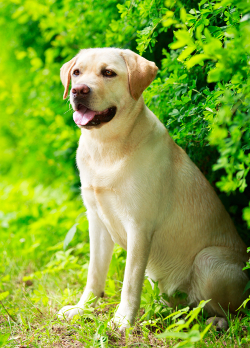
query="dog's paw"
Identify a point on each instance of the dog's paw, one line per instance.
(219, 322)
(68, 312)
(119, 321)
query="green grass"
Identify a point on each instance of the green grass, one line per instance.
(29, 319)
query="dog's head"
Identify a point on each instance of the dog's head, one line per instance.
(104, 82)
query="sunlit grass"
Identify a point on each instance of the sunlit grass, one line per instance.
(39, 277)
(29, 320)
(29, 315)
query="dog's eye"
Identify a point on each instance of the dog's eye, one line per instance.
(76, 72)
(108, 73)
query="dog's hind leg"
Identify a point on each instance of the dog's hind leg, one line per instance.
(217, 275)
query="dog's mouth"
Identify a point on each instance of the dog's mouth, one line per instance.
(86, 117)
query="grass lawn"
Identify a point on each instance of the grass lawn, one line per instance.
(28, 318)
(42, 271)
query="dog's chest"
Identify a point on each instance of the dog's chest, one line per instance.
(110, 209)
(101, 192)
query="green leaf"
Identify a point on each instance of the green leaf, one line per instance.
(186, 52)
(168, 22)
(183, 14)
(3, 339)
(246, 215)
(202, 2)
(247, 287)
(69, 236)
(222, 4)
(194, 335)
(199, 30)
(203, 333)
(183, 38)
(196, 60)
(214, 75)
(3, 295)
(172, 334)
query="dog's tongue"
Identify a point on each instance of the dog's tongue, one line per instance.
(83, 116)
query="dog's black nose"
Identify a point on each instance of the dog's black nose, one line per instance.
(80, 90)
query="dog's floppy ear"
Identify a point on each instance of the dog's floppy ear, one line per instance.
(65, 75)
(141, 72)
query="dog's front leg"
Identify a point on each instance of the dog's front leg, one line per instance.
(101, 248)
(138, 248)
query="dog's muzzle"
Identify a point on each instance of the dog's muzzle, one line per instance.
(84, 116)
(87, 117)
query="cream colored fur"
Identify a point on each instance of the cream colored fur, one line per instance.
(143, 192)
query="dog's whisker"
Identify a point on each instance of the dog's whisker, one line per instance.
(68, 111)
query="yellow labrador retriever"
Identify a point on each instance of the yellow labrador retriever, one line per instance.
(143, 192)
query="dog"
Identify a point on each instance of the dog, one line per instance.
(142, 191)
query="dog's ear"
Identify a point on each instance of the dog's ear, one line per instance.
(141, 72)
(65, 75)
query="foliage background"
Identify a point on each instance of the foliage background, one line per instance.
(201, 94)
